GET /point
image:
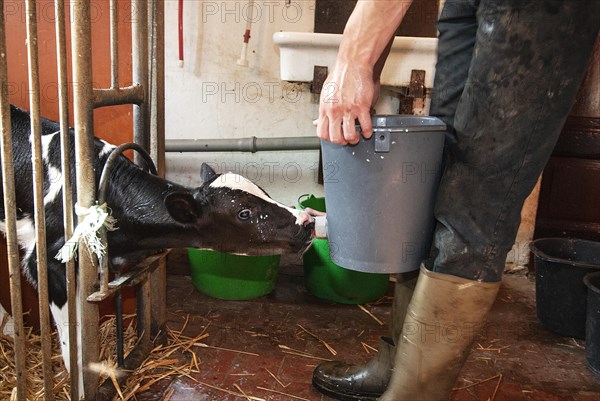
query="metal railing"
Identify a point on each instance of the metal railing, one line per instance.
(147, 95)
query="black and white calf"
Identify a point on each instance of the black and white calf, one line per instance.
(227, 213)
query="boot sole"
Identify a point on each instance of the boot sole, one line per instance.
(343, 396)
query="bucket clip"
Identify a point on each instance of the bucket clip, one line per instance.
(382, 140)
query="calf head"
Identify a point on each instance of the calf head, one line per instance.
(234, 215)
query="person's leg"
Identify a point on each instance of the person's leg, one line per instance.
(457, 26)
(528, 62)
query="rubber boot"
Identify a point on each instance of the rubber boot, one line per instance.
(443, 318)
(367, 382)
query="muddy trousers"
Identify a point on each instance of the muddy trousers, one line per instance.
(506, 77)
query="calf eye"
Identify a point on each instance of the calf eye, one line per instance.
(244, 214)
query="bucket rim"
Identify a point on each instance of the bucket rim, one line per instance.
(587, 281)
(406, 123)
(544, 256)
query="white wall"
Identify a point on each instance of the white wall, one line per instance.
(210, 96)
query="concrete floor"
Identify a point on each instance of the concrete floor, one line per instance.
(513, 359)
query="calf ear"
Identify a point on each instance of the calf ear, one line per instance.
(182, 207)
(207, 173)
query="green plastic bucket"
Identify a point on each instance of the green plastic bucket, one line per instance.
(232, 277)
(329, 281)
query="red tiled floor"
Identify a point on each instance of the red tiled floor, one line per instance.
(535, 364)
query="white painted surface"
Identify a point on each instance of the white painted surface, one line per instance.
(211, 96)
(300, 51)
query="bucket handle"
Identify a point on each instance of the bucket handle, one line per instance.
(301, 198)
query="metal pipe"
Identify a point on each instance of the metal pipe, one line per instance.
(251, 144)
(114, 155)
(83, 117)
(139, 55)
(114, 43)
(156, 81)
(65, 154)
(158, 278)
(133, 94)
(10, 216)
(38, 195)
(119, 328)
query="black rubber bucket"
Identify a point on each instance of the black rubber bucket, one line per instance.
(561, 296)
(592, 326)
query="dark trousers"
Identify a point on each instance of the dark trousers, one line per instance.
(506, 77)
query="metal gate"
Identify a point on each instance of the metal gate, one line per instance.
(147, 95)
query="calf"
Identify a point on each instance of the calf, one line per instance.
(227, 213)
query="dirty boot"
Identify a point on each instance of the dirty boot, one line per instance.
(347, 382)
(444, 315)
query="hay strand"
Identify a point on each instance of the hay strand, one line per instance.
(368, 348)
(231, 392)
(498, 376)
(371, 315)
(282, 393)
(224, 349)
(329, 348)
(277, 379)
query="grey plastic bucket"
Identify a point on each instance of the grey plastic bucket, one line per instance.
(380, 194)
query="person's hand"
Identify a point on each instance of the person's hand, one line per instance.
(348, 94)
(353, 85)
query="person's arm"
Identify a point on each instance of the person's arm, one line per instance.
(350, 89)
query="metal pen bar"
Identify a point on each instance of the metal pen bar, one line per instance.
(139, 55)
(144, 312)
(103, 268)
(111, 97)
(63, 106)
(158, 278)
(38, 195)
(157, 88)
(8, 187)
(114, 43)
(119, 328)
(85, 175)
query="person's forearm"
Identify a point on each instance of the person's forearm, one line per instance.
(369, 30)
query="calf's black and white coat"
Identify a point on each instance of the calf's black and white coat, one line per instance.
(227, 213)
